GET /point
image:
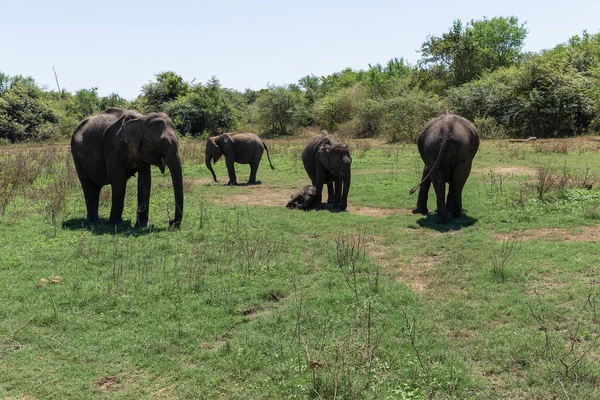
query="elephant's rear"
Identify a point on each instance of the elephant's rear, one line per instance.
(87, 148)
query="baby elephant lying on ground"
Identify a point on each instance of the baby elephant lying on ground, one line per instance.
(305, 199)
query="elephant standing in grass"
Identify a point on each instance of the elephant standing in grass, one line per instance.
(114, 145)
(237, 147)
(447, 146)
(328, 161)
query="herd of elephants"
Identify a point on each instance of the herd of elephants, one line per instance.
(114, 145)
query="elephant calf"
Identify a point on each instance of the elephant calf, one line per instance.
(447, 146)
(305, 199)
(328, 161)
(237, 147)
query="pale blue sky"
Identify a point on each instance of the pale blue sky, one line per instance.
(120, 45)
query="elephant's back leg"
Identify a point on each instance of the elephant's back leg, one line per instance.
(459, 177)
(91, 191)
(255, 162)
(439, 185)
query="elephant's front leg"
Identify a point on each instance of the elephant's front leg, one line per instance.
(231, 171)
(144, 185)
(330, 193)
(118, 198)
(421, 207)
(337, 192)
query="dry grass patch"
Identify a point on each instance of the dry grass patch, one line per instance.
(509, 171)
(585, 234)
(107, 383)
(414, 273)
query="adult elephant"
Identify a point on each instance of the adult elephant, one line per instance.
(447, 146)
(328, 161)
(114, 145)
(237, 147)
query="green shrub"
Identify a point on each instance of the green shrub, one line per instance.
(406, 115)
(281, 110)
(24, 111)
(545, 97)
(489, 128)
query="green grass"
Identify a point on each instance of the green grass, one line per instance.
(260, 302)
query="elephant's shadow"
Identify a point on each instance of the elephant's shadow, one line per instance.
(103, 227)
(454, 224)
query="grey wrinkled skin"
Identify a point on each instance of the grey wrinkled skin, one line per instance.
(327, 162)
(305, 199)
(237, 147)
(114, 145)
(447, 146)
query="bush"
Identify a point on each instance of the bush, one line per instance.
(281, 110)
(489, 128)
(24, 111)
(545, 97)
(406, 115)
(339, 107)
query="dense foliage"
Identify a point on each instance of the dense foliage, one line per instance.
(477, 69)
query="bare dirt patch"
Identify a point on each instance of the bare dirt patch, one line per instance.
(545, 283)
(107, 383)
(377, 212)
(262, 196)
(413, 273)
(583, 234)
(257, 196)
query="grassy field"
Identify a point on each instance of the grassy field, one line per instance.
(252, 300)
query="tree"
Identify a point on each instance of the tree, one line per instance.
(112, 100)
(23, 110)
(168, 87)
(466, 51)
(85, 103)
(281, 110)
(206, 109)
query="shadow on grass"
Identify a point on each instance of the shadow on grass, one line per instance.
(102, 227)
(455, 224)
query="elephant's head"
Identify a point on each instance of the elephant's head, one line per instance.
(337, 160)
(153, 140)
(213, 153)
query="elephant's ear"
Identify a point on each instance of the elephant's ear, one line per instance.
(323, 154)
(112, 141)
(132, 133)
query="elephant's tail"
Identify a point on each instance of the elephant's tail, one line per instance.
(268, 157)
(435, 164)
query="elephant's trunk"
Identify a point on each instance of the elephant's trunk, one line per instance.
(174, 165)
(210, 168)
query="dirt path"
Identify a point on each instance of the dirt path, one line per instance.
(261, 196)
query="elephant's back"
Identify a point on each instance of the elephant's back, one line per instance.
(246, 137)
(248, 147)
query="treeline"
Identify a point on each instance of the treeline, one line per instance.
(477, 69)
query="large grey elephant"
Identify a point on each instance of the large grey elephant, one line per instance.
(328, 161)
(114, 145)
(237, 147)
(447, 146)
